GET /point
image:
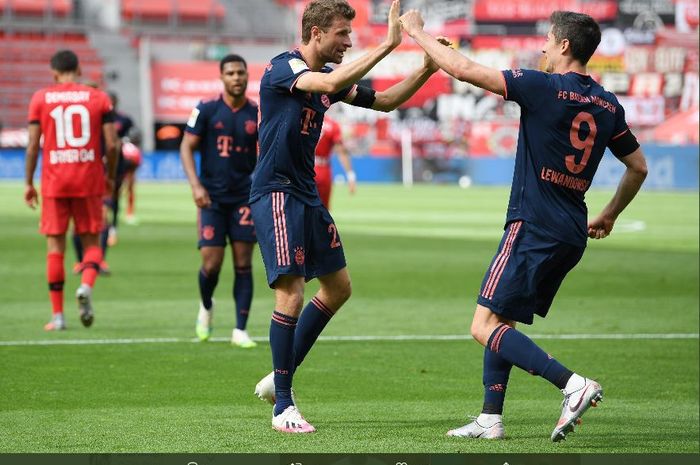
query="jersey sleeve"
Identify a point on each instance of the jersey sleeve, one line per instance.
(286, 71)
(525, 86)
(622, 142)
(197, 121)
(34, 116)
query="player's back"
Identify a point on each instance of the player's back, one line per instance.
(71, 116)
(567, 122)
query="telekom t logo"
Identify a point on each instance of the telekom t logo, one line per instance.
(224, 144)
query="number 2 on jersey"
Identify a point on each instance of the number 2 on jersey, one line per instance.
(586, 144)
(64, 125)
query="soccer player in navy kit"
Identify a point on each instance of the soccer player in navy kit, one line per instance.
(226, 131)
(567, 120)
(298, 238)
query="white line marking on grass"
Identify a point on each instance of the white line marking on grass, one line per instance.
(408, 337)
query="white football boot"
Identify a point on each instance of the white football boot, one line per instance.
(579, 394)
(84, 296)
(205, 317)
(265, 389)
(240, 338)
(291, 421)
(485, 426)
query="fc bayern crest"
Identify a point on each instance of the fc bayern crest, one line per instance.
(208, 233)
(299, 255)
(251, 126)
(325, 101)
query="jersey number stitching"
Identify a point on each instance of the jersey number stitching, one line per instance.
(64, 125)
(586, 144)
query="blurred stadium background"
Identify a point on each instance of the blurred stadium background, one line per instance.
(160, 57)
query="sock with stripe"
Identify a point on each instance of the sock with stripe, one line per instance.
(56, 276)
(496, 374)
(242, 295)
(314, 318)
(207, 284)
(282, 329)
(91, 265)
(519, 350)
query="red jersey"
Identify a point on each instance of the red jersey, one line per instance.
(330, 135)
(71, 117)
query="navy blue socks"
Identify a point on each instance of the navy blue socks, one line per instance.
(282, 329)
(496, 374)
(518, 349)
(313, 319)
(243, 295)
(207, 284)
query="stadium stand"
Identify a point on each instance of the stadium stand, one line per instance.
(24, 68)
(34, 8)
(164, 11)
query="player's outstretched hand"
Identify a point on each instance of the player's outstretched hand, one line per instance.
(31, 198)
(393, 35)
(600, 227)
(411, 21)
(428, 61)
(201, 197)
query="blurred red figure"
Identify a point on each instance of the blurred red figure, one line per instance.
(331, 138)
(132, 158)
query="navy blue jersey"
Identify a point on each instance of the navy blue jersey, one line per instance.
(567, 121)
(228, 148)
(290, 126)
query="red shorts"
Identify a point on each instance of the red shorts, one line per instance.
(324, 182)
(57, 211)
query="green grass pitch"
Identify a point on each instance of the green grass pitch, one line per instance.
(416, 257)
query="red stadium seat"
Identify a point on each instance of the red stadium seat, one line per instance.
(59, 8)
(162, 10)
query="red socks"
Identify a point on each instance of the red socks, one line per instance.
(91, 265)
(56, 276)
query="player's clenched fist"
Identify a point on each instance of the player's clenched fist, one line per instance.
(411, 21)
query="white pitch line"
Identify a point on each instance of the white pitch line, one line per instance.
(446, 337)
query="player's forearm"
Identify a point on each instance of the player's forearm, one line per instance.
(188, 166)
(31, 157)
(630, 184)
(344, 158)
(447, 58)
(349, 74)
(396, 95)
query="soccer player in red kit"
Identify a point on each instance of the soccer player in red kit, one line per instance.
(331, 138)
(73, 119)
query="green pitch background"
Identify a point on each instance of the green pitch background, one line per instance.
(417, 257)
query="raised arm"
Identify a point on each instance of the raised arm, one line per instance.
(632, 179)
(187, 147)
(346, 75)
(454, 63)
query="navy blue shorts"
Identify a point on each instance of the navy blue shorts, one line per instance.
(526, 272)
(295, 238)
(222, 220)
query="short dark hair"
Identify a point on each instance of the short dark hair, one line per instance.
(231, 58)
(582, 32)
(322, 13)
(64, 61)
